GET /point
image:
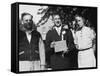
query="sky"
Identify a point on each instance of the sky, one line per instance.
(32, 9)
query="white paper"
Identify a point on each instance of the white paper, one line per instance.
(60, 46)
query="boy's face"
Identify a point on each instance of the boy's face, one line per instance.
(57, 20)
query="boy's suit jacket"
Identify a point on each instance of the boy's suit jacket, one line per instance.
(55, 59)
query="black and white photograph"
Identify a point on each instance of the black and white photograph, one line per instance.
(50, 37)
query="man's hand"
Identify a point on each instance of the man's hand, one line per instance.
(52, 44)
(65, 51)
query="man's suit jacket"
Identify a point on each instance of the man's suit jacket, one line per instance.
(57, 62)
(31, 50)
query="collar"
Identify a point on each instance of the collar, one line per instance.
(58, 28)
(28, 32)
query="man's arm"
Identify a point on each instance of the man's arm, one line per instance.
(49, 43)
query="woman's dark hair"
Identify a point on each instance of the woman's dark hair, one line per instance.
(86, 21)
(79, 15)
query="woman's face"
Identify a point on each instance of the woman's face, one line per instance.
(79, 21)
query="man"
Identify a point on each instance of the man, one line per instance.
(31, 47)
(64, 59)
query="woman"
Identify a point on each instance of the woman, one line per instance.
(84, 43)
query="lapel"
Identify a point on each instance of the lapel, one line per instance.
(23, 37)
(55, 32)
(33, 36)
(61, 31)
(56, 35)
(26, 39)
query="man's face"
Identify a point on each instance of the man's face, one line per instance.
(57, 20)
(79, 21)
(27, 21)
